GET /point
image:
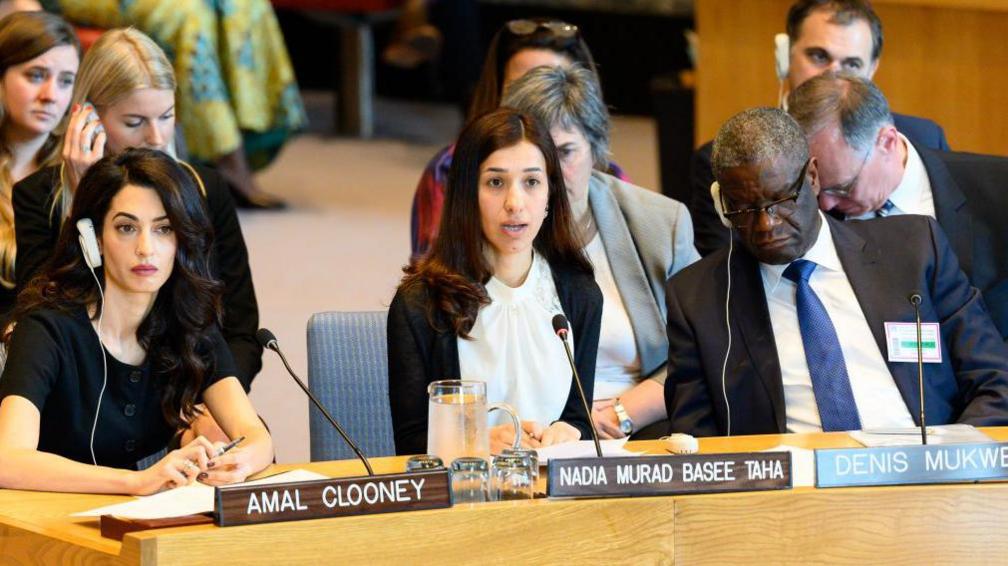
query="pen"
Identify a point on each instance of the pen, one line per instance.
(223, 449)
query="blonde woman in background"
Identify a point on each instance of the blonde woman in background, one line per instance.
(125, 97)
(39, 56)
(233, 74)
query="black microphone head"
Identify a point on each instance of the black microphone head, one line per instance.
(915, 298)
(560, 325)
(266, 338)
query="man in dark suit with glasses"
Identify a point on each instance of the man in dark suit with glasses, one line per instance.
(797, 327)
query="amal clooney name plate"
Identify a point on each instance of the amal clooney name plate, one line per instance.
(319, 499)
(669, 475)
(904, 465)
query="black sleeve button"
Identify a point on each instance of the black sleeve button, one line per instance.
(129, 410)
(135, 376)
(130, 445)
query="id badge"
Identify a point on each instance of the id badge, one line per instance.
(901, 339)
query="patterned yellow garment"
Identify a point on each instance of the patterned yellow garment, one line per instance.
(230, 62)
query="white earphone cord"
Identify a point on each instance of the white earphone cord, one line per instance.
(101, 315)
(724, 366)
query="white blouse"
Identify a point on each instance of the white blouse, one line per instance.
(618, 366)
(513, 348)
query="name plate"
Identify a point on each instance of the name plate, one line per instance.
(903, 465)
(669, 475)
(319, 499)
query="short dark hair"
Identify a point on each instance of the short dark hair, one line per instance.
(844, 12)
(506, 44)
(854, 103)
(455, 270)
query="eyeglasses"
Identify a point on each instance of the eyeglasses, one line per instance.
(745, 216)
(555, 27)
(844, 190)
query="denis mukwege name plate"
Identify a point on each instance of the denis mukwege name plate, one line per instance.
(669, 475)
(319, 499)
(902, 465)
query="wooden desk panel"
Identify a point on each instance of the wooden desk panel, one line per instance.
(920, 524)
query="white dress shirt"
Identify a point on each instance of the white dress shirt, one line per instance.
(913, 195)
(878, 400)
(514, 350)
(617, 367)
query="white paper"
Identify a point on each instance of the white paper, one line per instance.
(939, 434)
(802, 464)
(186, 500)
(584, 449)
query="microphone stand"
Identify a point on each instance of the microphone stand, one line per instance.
(915, 299)
(584, 400)
(272, 345)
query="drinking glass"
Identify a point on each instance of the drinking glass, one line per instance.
(423, 462)
(470, 480)
(510, 478)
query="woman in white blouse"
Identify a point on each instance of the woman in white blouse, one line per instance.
(479, 306)
(635, 238)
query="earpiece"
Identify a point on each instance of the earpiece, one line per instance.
(89, 243)
(715, 193)
(782, 63)
(782, 55)
(92, 257)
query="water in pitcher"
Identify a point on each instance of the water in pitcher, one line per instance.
(457, 426)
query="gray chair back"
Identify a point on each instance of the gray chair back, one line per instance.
(348, 372)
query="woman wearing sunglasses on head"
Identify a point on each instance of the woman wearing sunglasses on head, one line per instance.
(116, 342)
(520, 45)
(125, 97)
(479, 306)
(39, 56)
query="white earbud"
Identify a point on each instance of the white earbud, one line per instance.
(782, 55)
(715, 193)
(89, 243)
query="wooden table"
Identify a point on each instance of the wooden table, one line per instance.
(946, 523)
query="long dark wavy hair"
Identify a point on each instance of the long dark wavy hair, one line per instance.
(455, 271)
(505, 44)
(175, 334)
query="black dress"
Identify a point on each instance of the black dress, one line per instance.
(55, 362)
(37, 228)
(418, 355)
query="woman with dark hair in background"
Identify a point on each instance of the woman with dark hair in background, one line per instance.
(479, 306)
(39, 56)
(116, 343)
(519, 46)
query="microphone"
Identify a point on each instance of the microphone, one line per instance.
(268, 340)
(562, 328)
(915, 300)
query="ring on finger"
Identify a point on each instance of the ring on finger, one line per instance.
(85, 148)
(190, 466)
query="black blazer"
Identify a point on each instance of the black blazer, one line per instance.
(419, 355)
(885, 260)
(708, 232)
(970, 195)
(36, 232)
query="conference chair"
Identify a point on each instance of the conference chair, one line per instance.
(348, 372)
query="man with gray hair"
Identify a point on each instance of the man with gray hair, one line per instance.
(794, 332)
(868, 169)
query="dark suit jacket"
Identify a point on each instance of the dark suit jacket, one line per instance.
(970, 194)
(708, 232)
(419, 354)
(885, 260)
(36, 234)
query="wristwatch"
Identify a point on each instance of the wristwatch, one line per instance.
(625, 422)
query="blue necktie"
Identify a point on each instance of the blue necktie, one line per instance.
(886, 209)
(830, 383)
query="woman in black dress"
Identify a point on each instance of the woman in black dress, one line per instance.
(110, 354)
